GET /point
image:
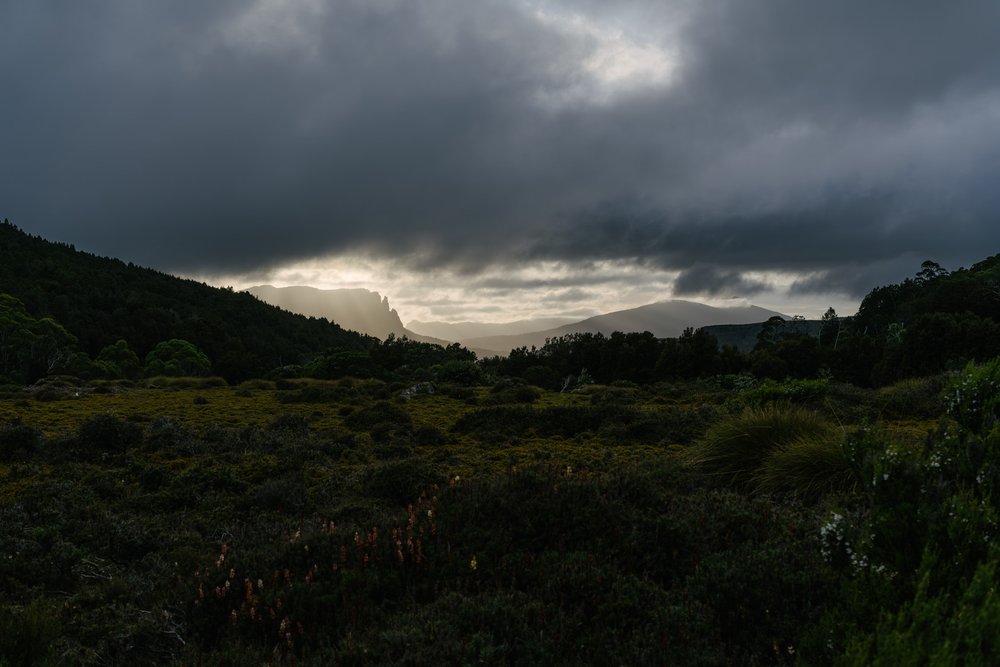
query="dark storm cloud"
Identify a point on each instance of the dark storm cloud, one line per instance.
(193, 137)
(710, 281)
(798, 136)
(581, 279)
(837, 230)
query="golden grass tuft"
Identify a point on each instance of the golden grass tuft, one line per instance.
(779, 448)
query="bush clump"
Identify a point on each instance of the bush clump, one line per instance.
(108, 434)
(320, 393)
(972, 397)
(913, 397)
(18, 441)
(430, 436)
(400, 481)
(786, 391)
(381, 412)
(290, 424)
(778, 447)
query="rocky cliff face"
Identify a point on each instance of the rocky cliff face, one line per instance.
(360, 310)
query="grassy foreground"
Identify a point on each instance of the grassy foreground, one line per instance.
(339, 523)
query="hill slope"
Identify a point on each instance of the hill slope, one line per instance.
(665, 319)
(356, 309)
(101, 300)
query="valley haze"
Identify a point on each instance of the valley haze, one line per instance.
(369, 313)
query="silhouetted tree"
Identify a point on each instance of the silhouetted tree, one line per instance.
(693, 354)
(830, 331)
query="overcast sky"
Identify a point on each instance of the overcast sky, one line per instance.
(499, 159)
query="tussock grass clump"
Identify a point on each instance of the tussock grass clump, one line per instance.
(778, 448)
(807, 467)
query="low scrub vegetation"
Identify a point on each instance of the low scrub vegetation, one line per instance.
(339, 522)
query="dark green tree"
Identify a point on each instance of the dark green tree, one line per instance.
(176, 357)
(119, 361)
(30, 348)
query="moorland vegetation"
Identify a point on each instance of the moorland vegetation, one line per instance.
(227, 483)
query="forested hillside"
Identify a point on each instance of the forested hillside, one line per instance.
(933, 321)
(100, 301)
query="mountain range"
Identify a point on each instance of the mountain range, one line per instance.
(358, 310)
(664, 319)
(369, 313)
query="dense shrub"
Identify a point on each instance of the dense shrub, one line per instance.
(167, 435)
(285, 494)
(400, 481)
(458, 392)
(430, 436)
(108, 433)
(731, 562)
(614, 422)
(515, 394)
(541, 376)
(27, 635)
(973, 396)
(290, 424)
(957, 627)
(183, 382)
(495, 421)
(616, 395)
(18, 441)
(320, 393)
(921, 544)
(786, 391)
(914, 397)
(460, 372)
(382, 412)
(541, 566)
(257, 384)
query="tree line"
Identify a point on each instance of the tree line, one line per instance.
(936, 321)
(67, 312)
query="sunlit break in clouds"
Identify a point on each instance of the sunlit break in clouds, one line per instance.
(507, 159)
